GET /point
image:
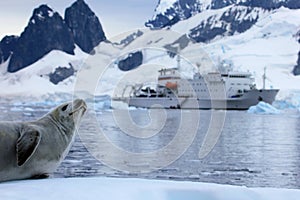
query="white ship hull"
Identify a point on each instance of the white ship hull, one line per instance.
(239, 103)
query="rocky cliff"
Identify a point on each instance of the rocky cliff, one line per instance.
(85, 26)
(47, 31)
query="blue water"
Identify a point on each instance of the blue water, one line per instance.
(252, 150)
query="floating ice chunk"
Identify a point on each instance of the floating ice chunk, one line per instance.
(263, 108)
(28, 114)
(102, 102)
(29, 109)
(16, 109)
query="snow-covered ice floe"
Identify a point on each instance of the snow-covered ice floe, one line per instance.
(136, 189)
(263, 108)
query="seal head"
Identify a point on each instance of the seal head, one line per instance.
(68, 115)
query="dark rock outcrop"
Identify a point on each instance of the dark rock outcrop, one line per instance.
(85, 26)
(7, 46)
(205, 32)
(184, 9)
(45, 32)
(178, 45)
(60, 74)
(272, 4)
(292, 4)
(296, 70)
(228, 24)
(132, 61)
(130, 38)
(266, 4)
(217, 4)
(181, 10)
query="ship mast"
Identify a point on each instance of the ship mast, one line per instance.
(178, 61)
(264, 78)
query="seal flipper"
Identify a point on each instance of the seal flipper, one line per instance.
(26, 146)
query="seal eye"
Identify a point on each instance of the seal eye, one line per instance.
(64, 108)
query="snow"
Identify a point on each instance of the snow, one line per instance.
(205, 3)
(34, 80)
(41, 16)
(50, 13)
(163, 6)
(263, 108)
(109, 80)
(269, 43)
(186, 25)
(135, 189)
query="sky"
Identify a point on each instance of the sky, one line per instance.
(116, 16)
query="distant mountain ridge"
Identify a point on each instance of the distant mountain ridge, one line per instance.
(47, 31)
(231, 17)
(184, 9)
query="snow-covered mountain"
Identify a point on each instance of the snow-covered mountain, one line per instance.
(210, 21)
(169, 12)
(250, 38)
(35, 80)
(47, 31)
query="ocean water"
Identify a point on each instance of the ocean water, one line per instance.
(247, 149)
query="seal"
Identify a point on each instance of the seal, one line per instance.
(35, 149)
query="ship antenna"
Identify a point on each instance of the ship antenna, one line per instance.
(178, 58)
(264, 78)
(178, 61)
(198, 66)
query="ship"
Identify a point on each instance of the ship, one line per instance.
(228, 90)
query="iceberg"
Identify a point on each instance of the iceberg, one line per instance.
(263, 108)
(135, 189)
(102, 102)
(284, 105)
(288, 100)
